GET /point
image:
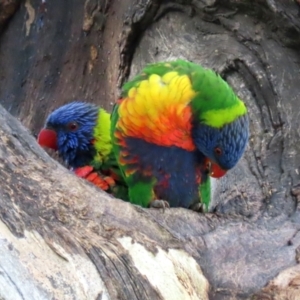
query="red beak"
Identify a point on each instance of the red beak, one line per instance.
(214, 169)
(48, 138)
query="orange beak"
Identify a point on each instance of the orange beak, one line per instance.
(215, 170)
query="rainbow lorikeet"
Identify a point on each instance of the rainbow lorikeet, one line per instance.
(80, 132)
(175, 123)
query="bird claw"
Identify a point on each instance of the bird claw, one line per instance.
(87, 172)
(83, 172)
(197, 207)
(159, 204)
(110, 181)
(97, 181)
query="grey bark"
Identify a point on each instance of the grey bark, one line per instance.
(248, 245)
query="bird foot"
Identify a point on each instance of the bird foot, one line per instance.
(110, 181)
(197, 207)
(87, 172)
(159, 204)
(83, 172)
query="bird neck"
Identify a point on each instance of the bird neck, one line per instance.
(215, 104)
(102, 139)
(217, 118)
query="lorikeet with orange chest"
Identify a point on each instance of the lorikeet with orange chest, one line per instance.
(175, 123)
(80, 132)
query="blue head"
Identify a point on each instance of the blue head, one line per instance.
(223, 146)
(69, 129)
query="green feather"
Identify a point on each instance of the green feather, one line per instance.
(140, 192)
(205, 192)
(102, 138)
(104, 159)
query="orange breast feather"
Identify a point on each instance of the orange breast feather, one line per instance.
(157, 111)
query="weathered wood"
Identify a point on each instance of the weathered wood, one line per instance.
(64, 239)
(75, 50)
(7, 9)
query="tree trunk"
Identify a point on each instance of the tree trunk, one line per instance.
(62, 238)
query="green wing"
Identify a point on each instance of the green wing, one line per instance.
(205, 192)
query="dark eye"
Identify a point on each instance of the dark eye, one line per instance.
(218, 151)
(72, 126)
(208, 166)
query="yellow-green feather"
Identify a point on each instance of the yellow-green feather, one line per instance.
(105, 159)
(219, 117)
(102, 136)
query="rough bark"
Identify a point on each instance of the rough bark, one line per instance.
(7, 9)
(72, 240)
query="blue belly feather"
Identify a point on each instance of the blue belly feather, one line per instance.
(175, 170)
